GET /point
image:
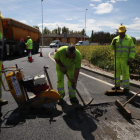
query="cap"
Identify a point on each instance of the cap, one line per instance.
(121, 29)
(28, 36)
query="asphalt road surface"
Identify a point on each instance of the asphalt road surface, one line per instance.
(65, 122)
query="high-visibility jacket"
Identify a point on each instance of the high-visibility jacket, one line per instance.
(124, 49)
(67, 62)
(29, 44)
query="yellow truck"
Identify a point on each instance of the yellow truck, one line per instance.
(15, 35)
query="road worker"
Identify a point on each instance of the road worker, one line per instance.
(2, 102)
(68, 60)
(29, 45)
(125, 53)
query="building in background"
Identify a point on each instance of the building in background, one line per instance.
(71, 38)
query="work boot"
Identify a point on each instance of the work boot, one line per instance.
(74, 100)
(118, 88)
(3, 102)
(126, 91)
(61, 101)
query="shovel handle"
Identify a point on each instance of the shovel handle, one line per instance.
(45, 69)
(77, 91)
(131, 98)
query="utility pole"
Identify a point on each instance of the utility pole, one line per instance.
(85, 24)
(42, 22)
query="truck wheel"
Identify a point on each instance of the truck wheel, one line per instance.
(37, 48)
(4, 55)
(33, 50)
(19, 49)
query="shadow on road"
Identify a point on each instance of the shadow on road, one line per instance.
(18, 116)
(79, 121)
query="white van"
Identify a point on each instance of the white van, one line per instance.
(55, 43)
(81, 43)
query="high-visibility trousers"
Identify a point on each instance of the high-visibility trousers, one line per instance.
(60, 82)
(122, 67)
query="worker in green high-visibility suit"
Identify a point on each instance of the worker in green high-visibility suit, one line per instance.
(68, 60)
(2, 102)
(125, 53)
(29, 45)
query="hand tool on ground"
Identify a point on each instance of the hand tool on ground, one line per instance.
(122, 107)
(110, 92)
(84, 104)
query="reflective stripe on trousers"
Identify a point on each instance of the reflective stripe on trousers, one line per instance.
(121, 66)
(60, 82)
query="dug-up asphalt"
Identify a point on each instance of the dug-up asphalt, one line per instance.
(101, 121)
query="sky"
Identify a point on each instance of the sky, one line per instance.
(102, 15)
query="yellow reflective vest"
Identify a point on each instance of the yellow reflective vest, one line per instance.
(125, 48)
(29, 44)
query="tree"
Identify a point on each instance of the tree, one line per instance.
(36, 27)
(134, 40)
(64, 29)
(55, 31)
(71, 32)
(91, 37)
(46, 31)
(59, 30)
(83, 32)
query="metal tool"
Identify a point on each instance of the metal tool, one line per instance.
(110, 92)
(84, 104)
(122, 107)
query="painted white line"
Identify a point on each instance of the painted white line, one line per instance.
(104, 82)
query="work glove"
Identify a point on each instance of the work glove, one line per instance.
(114, 42)
(64, 70)
(74, 84)
(129, 62)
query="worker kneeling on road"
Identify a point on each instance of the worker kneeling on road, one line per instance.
(2, 102)
(125, 53)
(68, 60)
(29, 45)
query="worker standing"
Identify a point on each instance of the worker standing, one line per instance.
(2, 102)
(29, 45)
(68, 60)
(125, 53)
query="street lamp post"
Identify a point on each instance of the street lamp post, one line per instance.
(42, 23)
(85, 24)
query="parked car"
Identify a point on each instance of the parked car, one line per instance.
(81, 43)
(58, 44)
(55, 43)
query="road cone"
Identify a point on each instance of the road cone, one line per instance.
(41, 55)
(2, 67)
(30, 57)
(56, 49)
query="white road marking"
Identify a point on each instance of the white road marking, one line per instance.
(104, 82)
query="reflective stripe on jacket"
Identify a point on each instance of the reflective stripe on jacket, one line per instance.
(124, 49)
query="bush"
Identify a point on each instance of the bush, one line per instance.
(103, 57)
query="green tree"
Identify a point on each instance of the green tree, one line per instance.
(55, 31)
(36, 27)
(59, 30)
(83, 32)
(91, 38)
(46, 31)
(64, 29)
